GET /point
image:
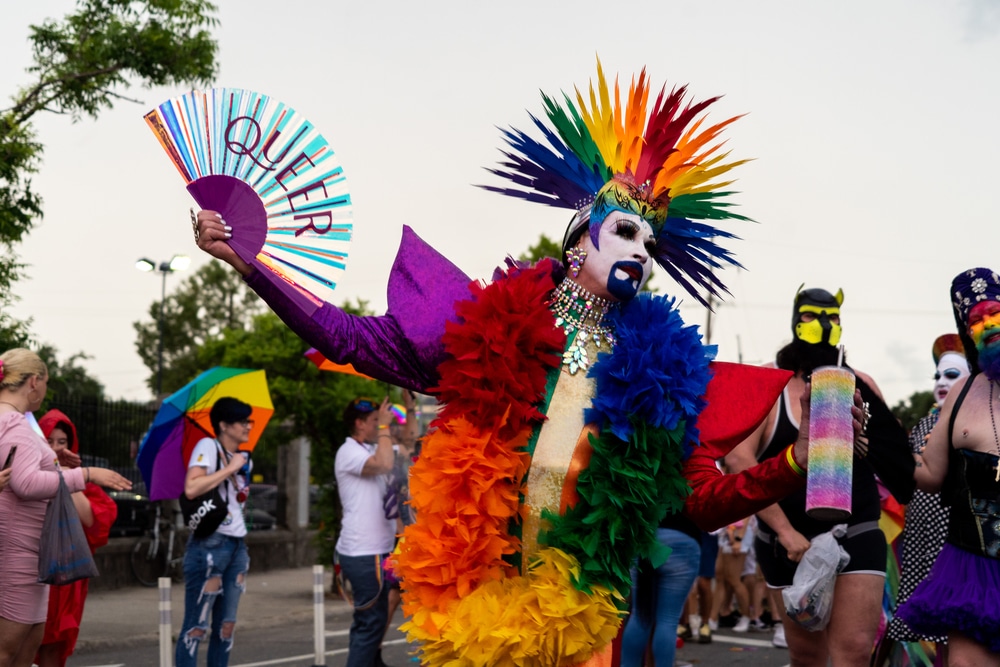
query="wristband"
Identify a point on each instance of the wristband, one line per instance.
(383, 426)
(87, 470)
(791, 462)
(384, 435)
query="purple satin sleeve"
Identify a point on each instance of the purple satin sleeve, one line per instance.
(402, 347)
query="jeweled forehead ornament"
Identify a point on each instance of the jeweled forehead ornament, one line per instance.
(662, 163)
(823, 305)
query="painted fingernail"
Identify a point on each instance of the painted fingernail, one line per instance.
(227, 228)
(228, 235)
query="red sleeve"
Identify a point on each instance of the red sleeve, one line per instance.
(105, 512)
(739, 398)
(718, 500)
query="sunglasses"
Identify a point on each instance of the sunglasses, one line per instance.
(245, 422)
(951, 374)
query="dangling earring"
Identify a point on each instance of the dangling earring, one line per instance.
(576, 256)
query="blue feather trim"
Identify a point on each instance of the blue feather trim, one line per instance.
(657, 374)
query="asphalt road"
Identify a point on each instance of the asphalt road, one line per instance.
(292, 646)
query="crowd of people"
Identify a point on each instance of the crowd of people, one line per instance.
(593, 476)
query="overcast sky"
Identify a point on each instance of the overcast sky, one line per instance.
(873, 126)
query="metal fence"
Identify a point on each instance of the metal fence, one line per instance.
(109, 431)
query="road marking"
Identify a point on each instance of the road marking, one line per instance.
(338, 633)
(763, 643)
(307, 656)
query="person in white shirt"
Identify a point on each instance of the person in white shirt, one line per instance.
(215, 566)
(367, 535)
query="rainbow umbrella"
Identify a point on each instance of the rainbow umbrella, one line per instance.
(183, 420)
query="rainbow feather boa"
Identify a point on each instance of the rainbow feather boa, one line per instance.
(466, 604)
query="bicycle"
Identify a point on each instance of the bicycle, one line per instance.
(153, 553)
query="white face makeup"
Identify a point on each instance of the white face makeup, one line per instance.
(950, 369)
(619, 269)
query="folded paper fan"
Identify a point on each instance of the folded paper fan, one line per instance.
(271, 175)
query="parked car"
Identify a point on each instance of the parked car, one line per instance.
(135, 511)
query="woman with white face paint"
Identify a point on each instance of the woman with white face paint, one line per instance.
(926, 519)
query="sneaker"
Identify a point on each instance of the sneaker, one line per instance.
(742, 625)
(684, 631)
(779, 636)
(757, 625)
(713, 625)
(705, 634)
(729, 620)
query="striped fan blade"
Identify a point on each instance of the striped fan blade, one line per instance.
(271, 175)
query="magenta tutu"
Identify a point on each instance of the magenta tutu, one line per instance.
(961, 594)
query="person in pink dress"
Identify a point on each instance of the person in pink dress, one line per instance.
(33, 482)
(97, 514)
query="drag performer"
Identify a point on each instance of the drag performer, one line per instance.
(959, 598)
(785, 530)
(926, 518)
(569, 399)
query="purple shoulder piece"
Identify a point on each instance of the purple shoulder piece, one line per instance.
(402, 347)
(423, 289)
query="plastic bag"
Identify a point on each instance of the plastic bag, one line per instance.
(809, 600)
(63, 553)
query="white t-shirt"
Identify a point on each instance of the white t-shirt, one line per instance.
(364, 530)
(205, 455)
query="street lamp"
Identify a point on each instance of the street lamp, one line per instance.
(176, 263)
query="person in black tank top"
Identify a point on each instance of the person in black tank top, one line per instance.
(960, 598)
(785, 528)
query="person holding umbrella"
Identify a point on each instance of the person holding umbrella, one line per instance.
(215, 566)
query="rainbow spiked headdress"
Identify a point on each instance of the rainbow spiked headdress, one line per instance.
(663, 166)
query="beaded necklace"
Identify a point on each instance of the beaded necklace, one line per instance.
(996, 438)
(581, 312)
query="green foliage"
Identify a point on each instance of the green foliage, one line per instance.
(545, 247)
(82, 65)
(214, 320)
(68, 380)
(206, 304)
(307, 402)
(913, 409)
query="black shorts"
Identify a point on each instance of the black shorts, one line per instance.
(867, 551)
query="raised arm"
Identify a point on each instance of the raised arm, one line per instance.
(402, 347)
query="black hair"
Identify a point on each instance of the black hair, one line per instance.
(357, 409)
(229, 410)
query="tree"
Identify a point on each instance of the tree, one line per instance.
(307, 402)
(68, 380)
(82, 65)
(913, 409)
(545, 247)
(210, 302)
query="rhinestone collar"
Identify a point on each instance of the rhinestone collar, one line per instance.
(578, 311)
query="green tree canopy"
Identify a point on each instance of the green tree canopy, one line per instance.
(68, 380)
(913, 409)
(545, 247)
(83, 64)
(207, 304)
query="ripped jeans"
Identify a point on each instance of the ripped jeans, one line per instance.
(215, 569)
